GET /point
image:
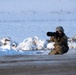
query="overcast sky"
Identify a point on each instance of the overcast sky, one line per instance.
(38, 5)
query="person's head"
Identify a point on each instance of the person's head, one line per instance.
(60, 30)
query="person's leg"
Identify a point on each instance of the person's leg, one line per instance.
(53, 52)
(57, 50)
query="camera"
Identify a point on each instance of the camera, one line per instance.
(53, 34)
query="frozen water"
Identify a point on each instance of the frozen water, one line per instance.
(24, 24)
(31, 46)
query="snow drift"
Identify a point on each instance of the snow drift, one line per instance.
(31, 45)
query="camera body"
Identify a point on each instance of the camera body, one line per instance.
(56, 34)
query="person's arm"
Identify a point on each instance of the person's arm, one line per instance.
(51, 39)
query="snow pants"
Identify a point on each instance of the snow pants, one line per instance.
(59, 49)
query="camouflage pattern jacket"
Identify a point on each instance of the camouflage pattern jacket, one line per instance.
(62, 41)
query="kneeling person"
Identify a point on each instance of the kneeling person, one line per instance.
(60, 39)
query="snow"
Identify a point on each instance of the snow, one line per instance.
(24, 24)
(31, 46)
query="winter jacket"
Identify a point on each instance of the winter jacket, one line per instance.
(61, 42)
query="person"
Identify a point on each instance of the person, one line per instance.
(60, 40)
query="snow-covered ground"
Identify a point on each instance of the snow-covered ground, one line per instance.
(31, 46)
(24, 24)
